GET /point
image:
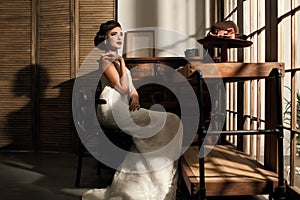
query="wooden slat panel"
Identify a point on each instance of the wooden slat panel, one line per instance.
(15, 74)
(91, 14)
(55, 49)
(55, 123)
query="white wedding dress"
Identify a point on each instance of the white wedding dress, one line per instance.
(149, 171)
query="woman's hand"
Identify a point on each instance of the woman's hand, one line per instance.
(134, 102)
(111, 57)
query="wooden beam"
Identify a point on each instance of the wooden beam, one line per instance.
(74, 38)
(270, 158)
(240, 86)
(271, 31)
(240, 23)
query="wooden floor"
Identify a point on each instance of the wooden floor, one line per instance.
(51, 176)
(227, 172)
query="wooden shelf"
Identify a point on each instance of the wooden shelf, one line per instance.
(237, 71)
(227, 172)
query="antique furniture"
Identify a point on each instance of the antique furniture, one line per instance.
(225, 170)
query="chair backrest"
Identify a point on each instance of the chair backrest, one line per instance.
(115, 135)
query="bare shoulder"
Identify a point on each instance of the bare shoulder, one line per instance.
(104, 63)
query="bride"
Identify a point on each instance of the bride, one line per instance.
(149, 170)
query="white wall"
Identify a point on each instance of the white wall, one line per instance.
(186, 17)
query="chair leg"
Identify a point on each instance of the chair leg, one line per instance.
(99, 166)
(79, 165)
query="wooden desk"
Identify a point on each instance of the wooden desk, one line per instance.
(224, 170)
(202, 183)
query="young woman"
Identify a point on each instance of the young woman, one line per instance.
(149, 171)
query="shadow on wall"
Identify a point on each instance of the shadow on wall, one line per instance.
(20, 120)
(34, 112)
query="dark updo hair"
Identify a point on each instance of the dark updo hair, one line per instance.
(103, 31)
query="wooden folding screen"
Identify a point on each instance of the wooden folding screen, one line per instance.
(15, 74)
(42, 44)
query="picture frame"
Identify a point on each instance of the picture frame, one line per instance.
(139, 44)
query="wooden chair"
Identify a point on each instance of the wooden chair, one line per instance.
(117, 136)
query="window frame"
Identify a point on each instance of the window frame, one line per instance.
(266, 48)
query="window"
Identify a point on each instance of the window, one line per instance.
(251, 16)
(289, 53)
(241, 12)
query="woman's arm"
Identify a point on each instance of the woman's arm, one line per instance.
(119, 79)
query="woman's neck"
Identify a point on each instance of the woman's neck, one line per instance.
(111, 51)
